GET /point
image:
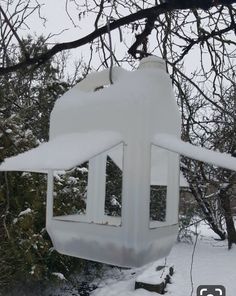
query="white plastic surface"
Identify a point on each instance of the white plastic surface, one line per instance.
(63, 152)
(174, 144)
(139, 105)
(159, 166)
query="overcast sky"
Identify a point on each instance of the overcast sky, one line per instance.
(59, 22)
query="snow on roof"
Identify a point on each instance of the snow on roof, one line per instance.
(83, 93)
(134, 85)
(137, 100)
(62, 152)
(100, 78)
(174, 144)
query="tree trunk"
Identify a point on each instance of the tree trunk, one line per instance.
(206, 209)
(226, 205)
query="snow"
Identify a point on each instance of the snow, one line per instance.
(122, 79)
(135, 98)
(83, 94)
(101, 78)
(9, 131)
(15, 220)
(63, 152)
(25, 212)
(122, 289)
(213, 264)
(174, 144)
(59, 275)
(32, 269)
(114, 201)
(153, 276)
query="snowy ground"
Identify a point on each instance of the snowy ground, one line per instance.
(213, 264)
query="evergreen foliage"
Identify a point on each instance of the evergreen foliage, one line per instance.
(26, 101)
(70, 191)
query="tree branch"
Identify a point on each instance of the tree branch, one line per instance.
(150, 14)
(203, 38)
(14, 32)
(141, 38)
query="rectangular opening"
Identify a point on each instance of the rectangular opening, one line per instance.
(91, 192)
(158, 186)
(158, 203)
(70, 192)
(113, 200)
(114, 180)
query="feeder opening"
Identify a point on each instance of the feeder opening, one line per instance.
(158, 203)
(70, 191)
(158, 186)
(114, 182)
(114, 178)
(91, 192)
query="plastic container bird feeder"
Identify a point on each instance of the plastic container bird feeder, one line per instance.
(135, 122)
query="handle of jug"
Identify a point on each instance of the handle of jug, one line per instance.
(96, 80)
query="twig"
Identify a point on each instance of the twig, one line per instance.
(149, 13)
(14, 33)
(68, 14)
(7, 205)
(192, 259)
(110, 44)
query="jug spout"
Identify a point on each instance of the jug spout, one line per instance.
(152, 62)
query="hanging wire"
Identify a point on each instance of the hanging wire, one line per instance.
(192, 261)
(110, 43)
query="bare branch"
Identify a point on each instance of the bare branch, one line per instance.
(14, 33)
(203, 38)
(150, 14)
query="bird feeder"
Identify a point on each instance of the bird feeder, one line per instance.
(136, 123)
